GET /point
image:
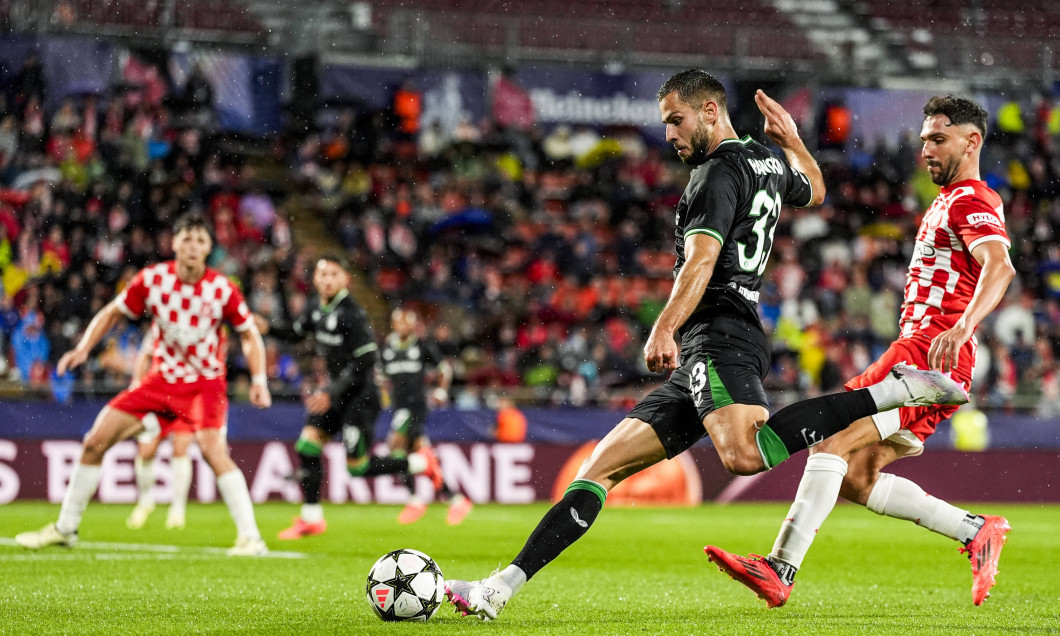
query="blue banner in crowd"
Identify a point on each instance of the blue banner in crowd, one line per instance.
(449, 97)
(246, 89)
(567, 96)
(574, 97)
(71, 66)
(887, 114)
(76, 66)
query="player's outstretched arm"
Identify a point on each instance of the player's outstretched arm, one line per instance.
(780, 127)
(701, 253)
(100, 325)
(254, 351)
(994, 278)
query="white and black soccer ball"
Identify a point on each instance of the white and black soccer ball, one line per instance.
(405, 585)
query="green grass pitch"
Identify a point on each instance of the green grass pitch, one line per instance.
(638, 571)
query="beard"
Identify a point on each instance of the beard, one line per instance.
(947, 171)
(698, 144)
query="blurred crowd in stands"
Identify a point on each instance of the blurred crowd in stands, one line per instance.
(537, 258)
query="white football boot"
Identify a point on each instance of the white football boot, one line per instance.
(46, 536)
(927, 388)
(485, 598)
(139, 515)
(245, 546)
(174, 520)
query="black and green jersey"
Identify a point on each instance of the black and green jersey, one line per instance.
(735, 196)
(343, 338)
(406, 363)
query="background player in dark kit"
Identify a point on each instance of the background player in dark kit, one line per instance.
(407, 360)
(349, 403)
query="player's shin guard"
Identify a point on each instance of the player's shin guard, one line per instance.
(144, 470)
(373, 466)
(562, 525)
(900, 498)
(814, 500)
(83, 484)
(312, 474)
(181, 486)
(234, 492)
(803, 424)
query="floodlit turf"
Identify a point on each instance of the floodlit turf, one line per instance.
(638, 571)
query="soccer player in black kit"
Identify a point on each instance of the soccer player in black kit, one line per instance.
(349, 403)
(725, 221)
(406, 362)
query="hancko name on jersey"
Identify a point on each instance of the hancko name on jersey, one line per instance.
(766, 166)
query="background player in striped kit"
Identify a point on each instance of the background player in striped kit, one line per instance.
(188, 303)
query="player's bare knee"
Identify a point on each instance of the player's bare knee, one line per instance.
(857, 484)
(741, 459)
(92, 449)
(832, 446)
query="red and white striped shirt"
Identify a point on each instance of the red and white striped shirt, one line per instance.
(187, 319)
(943, 273)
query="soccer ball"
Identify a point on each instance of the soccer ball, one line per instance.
(405, 585)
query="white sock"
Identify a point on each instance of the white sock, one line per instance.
(312, 513)
(233, 487)
(417, 463)
(888, 393)
(181, 484)
(900, 498)
(514, 576)
(83, 484)
(145, 480)
(814, 500)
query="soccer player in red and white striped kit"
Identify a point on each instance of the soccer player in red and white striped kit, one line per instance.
(187, 302)
(959, 273)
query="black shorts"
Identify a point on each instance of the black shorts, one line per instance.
(723, 361)
(409, 420)
(354, 416)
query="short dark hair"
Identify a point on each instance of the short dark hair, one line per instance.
(960, 110)
(694, 87)
(331, 257)
(190, 221)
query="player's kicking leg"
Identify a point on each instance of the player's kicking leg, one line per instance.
(630, 447)
(111, 426)
(807, 422)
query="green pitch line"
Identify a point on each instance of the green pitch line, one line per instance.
(638, 571)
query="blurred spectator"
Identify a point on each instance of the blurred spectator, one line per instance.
(511, 423)
(31, 348)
